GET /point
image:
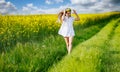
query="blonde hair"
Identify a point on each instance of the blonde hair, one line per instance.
(68, 10)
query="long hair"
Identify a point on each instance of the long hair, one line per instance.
(60, 14)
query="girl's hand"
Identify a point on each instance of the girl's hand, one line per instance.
(74, 11)
(64, 11)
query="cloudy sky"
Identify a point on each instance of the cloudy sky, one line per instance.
(54, 6)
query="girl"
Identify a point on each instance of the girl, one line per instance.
(66, 29)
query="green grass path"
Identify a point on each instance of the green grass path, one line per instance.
(88, 56)
(111, 56)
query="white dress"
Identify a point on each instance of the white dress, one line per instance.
(66, 29)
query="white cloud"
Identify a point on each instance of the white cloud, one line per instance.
(48, 2)
(59, 1)
(2, 1)
(30, 5)
(81, 6)
(95, 6)
(7, 7)
(82, 1)
(53, 1)
(31, 9)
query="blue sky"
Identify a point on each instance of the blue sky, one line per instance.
(39, 3)
(54, 6)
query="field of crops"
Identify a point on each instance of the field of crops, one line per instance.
(31, 43)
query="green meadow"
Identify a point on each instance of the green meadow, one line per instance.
(30, 43)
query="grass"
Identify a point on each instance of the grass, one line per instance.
(29, 46)
(111, 56)
(86, 57)
(37, 56)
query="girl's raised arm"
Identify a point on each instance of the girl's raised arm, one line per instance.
(77, 17)
(63, 17)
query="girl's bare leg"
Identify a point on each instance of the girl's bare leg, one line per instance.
(67, 42)
(70, 44)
